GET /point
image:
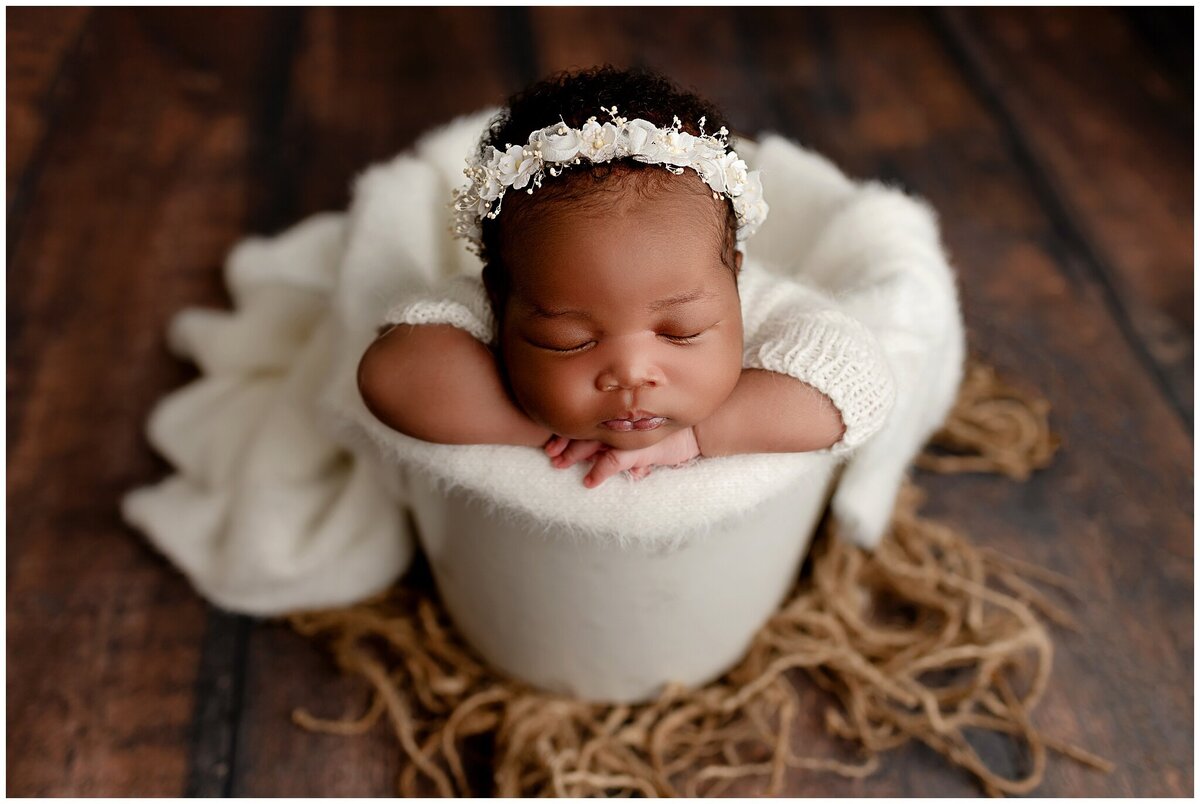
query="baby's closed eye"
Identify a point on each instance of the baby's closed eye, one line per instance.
(681, 338)
(580, 347)
(585, 345)
(685, 333)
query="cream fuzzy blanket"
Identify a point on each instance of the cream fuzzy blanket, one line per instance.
(289, 494)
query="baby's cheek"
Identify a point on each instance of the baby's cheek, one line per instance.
(552, 395)
(713, 376)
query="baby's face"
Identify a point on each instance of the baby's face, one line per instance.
(623, 325)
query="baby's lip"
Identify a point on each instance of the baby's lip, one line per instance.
(635, 420)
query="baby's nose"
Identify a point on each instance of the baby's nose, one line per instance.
(628, 376)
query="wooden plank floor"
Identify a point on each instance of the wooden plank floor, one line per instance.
(142, 144)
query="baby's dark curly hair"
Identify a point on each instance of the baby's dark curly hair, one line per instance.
(573, 97)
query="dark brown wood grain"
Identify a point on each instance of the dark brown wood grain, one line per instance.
(146, 143)
(41, 45)
(366, 82)
(1108, 131)
(143, 187)
(700, 49)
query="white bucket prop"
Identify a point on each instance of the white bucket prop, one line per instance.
(606, 618)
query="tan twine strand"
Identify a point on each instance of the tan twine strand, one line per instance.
(928, 639)
(994, 427)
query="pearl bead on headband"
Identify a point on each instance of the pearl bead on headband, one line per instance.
(554, 148)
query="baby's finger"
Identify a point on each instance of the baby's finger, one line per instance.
(556, 445)
(639, 472)
(577, 451)
(607, 465)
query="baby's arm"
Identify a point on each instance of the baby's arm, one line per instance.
(770, 412)
(439, 383)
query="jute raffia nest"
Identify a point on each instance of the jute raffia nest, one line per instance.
(924, 639)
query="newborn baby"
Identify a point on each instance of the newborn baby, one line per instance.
(616, 320)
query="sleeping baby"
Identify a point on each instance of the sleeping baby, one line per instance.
(618, 320)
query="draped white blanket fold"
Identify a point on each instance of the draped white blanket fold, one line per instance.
(288, 494)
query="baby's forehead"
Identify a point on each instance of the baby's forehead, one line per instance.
(618, 274)
(629, 247)
(646, 235)
(657, 198)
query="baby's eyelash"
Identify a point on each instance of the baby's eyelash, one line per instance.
(676, 339)
(578, 348)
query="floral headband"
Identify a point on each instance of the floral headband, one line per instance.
(552, 149)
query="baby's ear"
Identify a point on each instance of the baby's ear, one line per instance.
(737, 261)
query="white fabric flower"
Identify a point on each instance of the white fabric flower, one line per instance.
(677, 148)
(706, 149)
(752, 189)
(642, 137)
(598, 142)
(491, 157)
(485, 171)
(518, 165)
(733, 171)
(489, 186)
(709, 170)
(492, 188)
(750, 206)
(708, 162)
(559, 143)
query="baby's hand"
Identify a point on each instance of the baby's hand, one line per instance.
(677, 448)
(566, 452)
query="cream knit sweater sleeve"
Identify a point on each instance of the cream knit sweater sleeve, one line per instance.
(789, 328)
(796, 329)
(460, 302)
